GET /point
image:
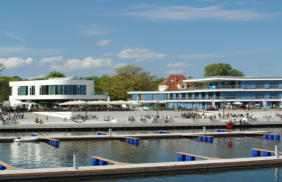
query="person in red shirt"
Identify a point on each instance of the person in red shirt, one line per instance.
(229, 125)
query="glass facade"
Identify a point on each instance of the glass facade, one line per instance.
(202, 97)
(23, 90)
(246, 84)
(32, 90)
(63, 90)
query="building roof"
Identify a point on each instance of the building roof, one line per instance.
(232, 78)
(173, 80)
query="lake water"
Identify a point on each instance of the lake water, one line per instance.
(42, 155)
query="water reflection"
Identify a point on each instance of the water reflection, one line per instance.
(38, 154)
(276, 174)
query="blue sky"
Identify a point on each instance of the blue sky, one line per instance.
(92, 38)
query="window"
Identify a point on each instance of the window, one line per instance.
(32, 90)
(52, 90)
(23, 90)
(82, 90)
(62, 90)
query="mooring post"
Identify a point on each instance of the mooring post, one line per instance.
(110, 131)
(276, 174)
(276, 151)
(75, 162)
(204, 129)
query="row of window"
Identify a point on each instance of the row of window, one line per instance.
(247, 84)
(209, 95)
(54, 90)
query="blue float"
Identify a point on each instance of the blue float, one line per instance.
(265, 136)
(95, 162)
(205, 139)
(190, 158)
(256, 153)
(101, 163)
(2, 167)
(133, 141)
(265, 154)
(162, 132)
(270, 137)
(276, 137)
(136, 142)
(100, 133)
(98, 162)
(210, 139)
(221, 131)
(181, 157)
(54, 143)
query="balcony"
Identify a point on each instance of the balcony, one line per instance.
(236, 87)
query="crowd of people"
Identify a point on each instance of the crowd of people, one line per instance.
(7, 117)
(194, 115)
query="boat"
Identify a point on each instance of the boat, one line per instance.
(26, 139)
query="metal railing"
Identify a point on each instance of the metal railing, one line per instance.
(236, 87)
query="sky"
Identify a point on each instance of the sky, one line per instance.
(93, 37)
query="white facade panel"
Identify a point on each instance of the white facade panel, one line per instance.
(90, 94)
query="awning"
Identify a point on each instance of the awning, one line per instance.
(73, 103)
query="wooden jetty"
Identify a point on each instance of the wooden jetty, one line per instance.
(146, 136)
(129, 170)
(264, 150)
(68, 127)
(7, 166)
(108, 160)
(198, 156)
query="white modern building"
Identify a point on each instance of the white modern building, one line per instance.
(53, 91)
(217, 92)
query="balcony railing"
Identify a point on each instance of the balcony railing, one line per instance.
(225, 98)
(236, 87)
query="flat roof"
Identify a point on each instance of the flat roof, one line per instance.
(232, 78)
(51, 81)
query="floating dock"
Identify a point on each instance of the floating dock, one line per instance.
(145, 169)
(68, 127)
(145, 136)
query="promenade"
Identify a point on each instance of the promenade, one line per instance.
(63, 121)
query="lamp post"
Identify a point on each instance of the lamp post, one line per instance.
(157, 107)
(223, 103)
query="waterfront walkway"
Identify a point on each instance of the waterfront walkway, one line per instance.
(62, 121)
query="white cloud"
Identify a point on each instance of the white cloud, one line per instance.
(103, 42)
(13, 62)
(176, 71)
(199, 13)
(78, 64)
(178, 65)
(120, 65)
(51, 59)
(38, 76)
(140, 55)
(94, 30)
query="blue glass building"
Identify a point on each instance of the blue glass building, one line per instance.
(218, 91)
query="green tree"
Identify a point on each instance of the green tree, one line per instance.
(96, 80)
(221, 69)
(55, 74)
(5, 90)
(1, 67)
(128, 78)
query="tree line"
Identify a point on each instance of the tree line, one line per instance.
(127, 78)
